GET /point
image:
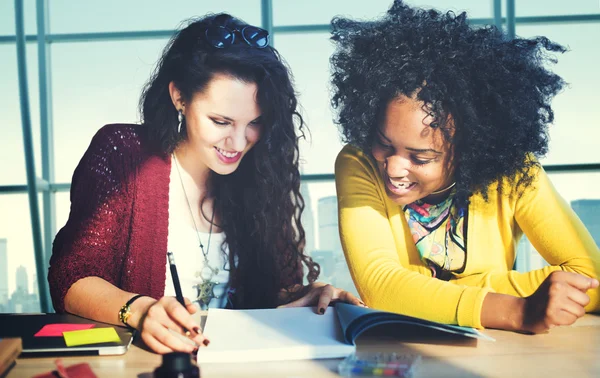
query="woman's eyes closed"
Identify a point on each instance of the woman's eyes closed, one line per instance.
(220, 123)
(418, 161)
(383, 144)
(255, 124)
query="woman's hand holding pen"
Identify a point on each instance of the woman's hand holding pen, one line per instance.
(160, 321)
(316, 294)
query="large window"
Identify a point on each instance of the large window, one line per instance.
(577, 115)
(316, 12)
(99, 55)
(12, 150)
(106, 91)
(16, 256)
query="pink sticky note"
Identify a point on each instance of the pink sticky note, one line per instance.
(57, 329)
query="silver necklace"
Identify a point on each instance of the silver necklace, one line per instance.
(205, 289)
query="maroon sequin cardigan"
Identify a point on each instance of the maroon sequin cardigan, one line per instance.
(118, 226)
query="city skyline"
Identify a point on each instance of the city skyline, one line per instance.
(23, 299)
(3, 270)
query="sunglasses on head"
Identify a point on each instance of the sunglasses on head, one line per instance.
(222, 36)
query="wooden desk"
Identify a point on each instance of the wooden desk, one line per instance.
(564, 352)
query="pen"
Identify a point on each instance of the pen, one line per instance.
(175, 276)
(177, 286)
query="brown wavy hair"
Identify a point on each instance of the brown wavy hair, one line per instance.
(259, 205)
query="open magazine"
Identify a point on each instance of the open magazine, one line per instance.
(354, 320)
(299, 333)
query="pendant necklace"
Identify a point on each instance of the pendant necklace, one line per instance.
(204, 289)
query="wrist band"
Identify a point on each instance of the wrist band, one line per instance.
(125, 311)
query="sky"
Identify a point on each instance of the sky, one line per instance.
(95, 83)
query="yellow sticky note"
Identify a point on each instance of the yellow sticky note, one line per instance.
(91, 336)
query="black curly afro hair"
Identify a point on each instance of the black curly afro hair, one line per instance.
(497, 91)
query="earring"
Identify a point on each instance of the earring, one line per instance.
(180, 119)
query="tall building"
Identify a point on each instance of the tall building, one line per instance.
(329, 236)
(3, 271)
(308, 221)
(589, 213)
(34, 288)
(22, 280)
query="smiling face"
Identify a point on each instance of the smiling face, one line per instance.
(411, 155)
(222, 123)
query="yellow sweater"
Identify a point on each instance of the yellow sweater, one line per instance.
(389, 274)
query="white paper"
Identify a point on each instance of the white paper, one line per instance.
(272, 335)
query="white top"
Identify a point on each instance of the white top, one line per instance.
(182, 240)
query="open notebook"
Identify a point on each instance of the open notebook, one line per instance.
(299, 333)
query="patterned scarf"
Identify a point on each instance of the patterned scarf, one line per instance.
(439, 233)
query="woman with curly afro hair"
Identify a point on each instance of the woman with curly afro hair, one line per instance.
(445, 123)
